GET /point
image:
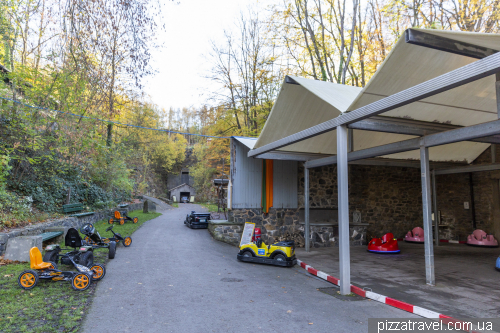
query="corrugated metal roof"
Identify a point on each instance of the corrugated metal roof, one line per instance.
(299, 107)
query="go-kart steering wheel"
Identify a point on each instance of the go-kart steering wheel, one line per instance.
(259, 242)
(109, 228)
(87, 229)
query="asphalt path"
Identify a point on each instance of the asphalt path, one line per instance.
(174, 279)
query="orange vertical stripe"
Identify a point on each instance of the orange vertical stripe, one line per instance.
(269, 183)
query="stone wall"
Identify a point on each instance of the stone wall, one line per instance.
(327, 234)
(225, 231)
(390, 198)
(75, 222)
(274, 224)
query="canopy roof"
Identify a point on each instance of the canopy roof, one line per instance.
(303, 103)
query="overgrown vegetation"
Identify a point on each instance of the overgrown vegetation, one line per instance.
(53, 306)
(52, 57)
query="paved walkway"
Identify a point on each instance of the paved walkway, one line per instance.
(174, 279)
(466, 280)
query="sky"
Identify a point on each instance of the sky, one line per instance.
(183, 63)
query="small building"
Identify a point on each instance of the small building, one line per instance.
(181, 191)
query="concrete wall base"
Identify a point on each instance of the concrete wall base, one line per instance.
(19, 248)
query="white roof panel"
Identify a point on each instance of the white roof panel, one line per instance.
(312, 102)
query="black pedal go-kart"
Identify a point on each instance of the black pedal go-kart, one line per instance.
(81, 256)
(122, 218)
(84, 255)
(117, 237)
(197, 220)
(93, 239)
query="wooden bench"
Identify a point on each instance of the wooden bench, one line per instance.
(78, 207)
(49, 235)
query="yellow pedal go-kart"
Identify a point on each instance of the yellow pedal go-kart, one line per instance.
(278, 254)
(40, 270)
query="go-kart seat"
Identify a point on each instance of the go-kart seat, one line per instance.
(36, 261)
(117, 215)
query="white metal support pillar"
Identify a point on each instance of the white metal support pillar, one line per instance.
(307, 229)
(426, 205)
(435, 208)
(497, 88)
(343, 210)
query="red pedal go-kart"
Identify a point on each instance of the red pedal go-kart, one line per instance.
(121, 219)
(386, 244)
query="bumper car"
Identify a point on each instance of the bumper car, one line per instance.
(497, 266)
(481, 238)
(386, 244)
(415, 236)
(277, 254)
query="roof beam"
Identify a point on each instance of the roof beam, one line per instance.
(286, 156)
(437, 139)
(421, 38)
(410, 127)
(460, 76)
(468, 168)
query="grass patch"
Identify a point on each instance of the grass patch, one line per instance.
(175, 205)
(210, 206)
(53, 306)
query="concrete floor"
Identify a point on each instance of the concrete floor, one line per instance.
(467, 284)
(174, 279)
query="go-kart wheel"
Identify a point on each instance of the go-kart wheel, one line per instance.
(127, 241)
(50, 256)
(279, 257)
(53, 264)
(98, 272)
(111, 220)
(28, 279)
(87, 259)
(247, 254)
(122, 221)
(112, 250)
(135, 220)
(81, 281)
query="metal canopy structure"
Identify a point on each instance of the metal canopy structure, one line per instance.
(439, 103)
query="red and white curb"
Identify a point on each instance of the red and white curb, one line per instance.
(374, 296)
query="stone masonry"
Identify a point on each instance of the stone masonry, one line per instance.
(273, 224)
(225, 231)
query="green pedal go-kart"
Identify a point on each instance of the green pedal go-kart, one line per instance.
(278, 254)
(94, 239)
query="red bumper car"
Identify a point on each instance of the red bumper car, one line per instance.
(415, 236)
(481, 238)
(386, 244)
